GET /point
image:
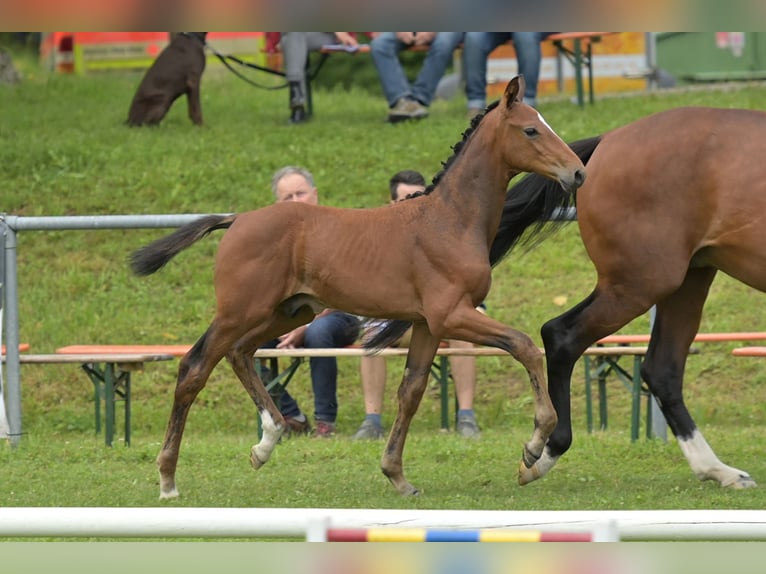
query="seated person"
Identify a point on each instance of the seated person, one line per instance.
(295, 49)
(372, 369)
(477, 47)
(330, 328)
(410, 101)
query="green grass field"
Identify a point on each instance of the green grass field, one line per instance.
(65, 151)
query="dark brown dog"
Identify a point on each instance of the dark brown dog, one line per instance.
(176, 71)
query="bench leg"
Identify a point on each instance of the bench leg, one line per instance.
(636, 404)
(109, 383)
(578, 72)
(588, 395)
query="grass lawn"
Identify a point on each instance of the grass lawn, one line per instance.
(65, 151)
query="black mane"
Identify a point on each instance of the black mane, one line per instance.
(456, 149)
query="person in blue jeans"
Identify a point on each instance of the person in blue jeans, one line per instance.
(476, 49)
(408, 101)
(330, 328)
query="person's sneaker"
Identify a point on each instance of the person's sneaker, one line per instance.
(324, 429)
(407, 109)
(368, 431)
(468, 428)
(296, 427)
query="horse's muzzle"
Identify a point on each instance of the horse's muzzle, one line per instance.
(571, 184)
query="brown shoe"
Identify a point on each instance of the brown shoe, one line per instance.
(324, 430)
(407, 109)
(295, 427)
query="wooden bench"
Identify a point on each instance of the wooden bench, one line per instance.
(576, 47)
(608, 358)
(598, 368)
(110, 374)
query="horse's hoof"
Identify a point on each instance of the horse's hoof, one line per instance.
(527, 474)
(169, 494)
(409, 490)
(254, 460)
(743, 481)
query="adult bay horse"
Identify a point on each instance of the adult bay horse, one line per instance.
(670, 199)
(424, 260)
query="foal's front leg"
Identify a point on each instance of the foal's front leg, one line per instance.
(419, 359)
(468, 324)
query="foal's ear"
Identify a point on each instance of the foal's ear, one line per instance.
(514, 91)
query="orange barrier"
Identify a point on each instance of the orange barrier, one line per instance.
(749, 352)
(699, 338)
(22, 347)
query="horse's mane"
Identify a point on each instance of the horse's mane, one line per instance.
(393, 329)
(456, 149)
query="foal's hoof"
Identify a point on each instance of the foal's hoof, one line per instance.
(408, 490)
(254, 460)
(170, 494)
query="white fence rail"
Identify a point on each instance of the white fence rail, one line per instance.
(298, 522)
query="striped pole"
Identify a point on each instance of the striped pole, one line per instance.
(436, 535)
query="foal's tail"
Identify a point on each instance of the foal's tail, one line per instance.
(530, 207)
(530, 203)
(153, 257)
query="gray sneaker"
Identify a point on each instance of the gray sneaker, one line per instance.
(407, 109)
(468, 428)
(368, 431)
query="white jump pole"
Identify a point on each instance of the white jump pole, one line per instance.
(296, 522)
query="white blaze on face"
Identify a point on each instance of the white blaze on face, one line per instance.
(542, 119)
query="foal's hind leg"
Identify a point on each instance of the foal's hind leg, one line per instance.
(468, 324)
(272, 422)
(416, 372)
(676, 322)
(193, 372)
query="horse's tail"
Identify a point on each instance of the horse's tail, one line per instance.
(389, 332)
(532, 203)
(153, 257)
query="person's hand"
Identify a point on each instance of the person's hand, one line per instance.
(346, 39)
(424, 38)
(293, 339)
(406, 37)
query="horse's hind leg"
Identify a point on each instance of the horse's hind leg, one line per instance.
(676, 323)
(193, 372)
(272, 422)
(468, 324)
(416, 372)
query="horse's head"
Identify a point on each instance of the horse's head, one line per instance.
(530, 144)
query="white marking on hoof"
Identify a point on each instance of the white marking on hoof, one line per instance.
(707, 466)
(168, 495)
(261, 452)
(539, 469)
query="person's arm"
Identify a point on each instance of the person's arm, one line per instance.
(346, 38)
(294, 338)
(423, 38)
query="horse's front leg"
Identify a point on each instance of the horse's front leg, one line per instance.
(416, 372)
(470, 325)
